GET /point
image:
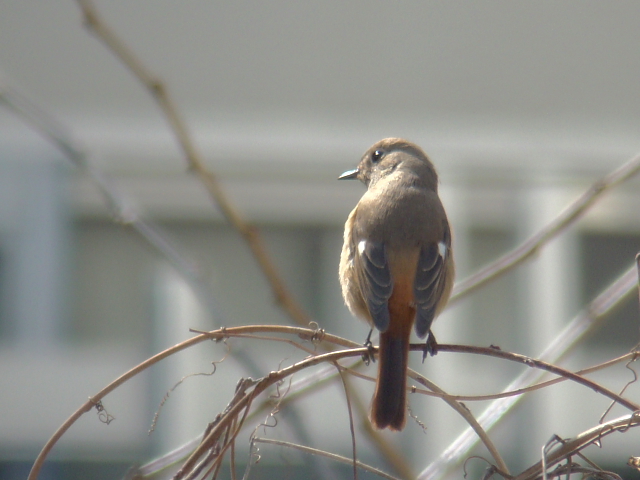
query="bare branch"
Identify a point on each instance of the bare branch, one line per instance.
(194, 160)
(351, 426)
(122, 208)
(354, 350)
(559, 347)
(332, 456)
(209, 440)
(493, 396)
(389, 451)
(540, 364)
(538, 240)
(471, 420)
(218, 334)
(630, 382)
(569, 447)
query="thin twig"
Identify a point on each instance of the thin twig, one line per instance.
(514, 357)
(393, 456)
(317, 379)
(122, 208)
(304, 333)
(351, 427)
(332, 456)
(232, 460)
(636, 353)
(534, 243)
(471, 420)
(560, 346)
(539, 364)
(229, 437)
(638, 273)
(520, 391)
(300, 386)
(307, 334)
(260, 386)
(124, 211)
(597, 474)
(571, 446)
(195, 163)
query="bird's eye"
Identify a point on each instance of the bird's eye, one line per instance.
(377, 155)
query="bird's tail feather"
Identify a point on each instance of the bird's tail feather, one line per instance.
(389, 400)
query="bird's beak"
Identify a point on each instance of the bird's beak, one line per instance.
(349, 175)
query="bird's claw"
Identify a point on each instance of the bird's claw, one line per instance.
(368, 356)
(430, 346)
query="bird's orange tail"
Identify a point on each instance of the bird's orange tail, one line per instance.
(389, 400)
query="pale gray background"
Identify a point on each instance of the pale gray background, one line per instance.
(521, 105)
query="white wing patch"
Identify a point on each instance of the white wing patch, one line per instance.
(442, 249)
(361, 246)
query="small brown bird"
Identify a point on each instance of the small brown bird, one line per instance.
(396, 266)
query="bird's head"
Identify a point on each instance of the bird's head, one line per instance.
(390, 156)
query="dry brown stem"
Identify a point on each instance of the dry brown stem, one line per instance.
(468, 416)
(332, 456)
(394, 456)
(243, 402)
(352, 429)
(160, 93)
(304, 333)
(240, 405)
(573, 445)
(539, 239)
(511, 393)
(260, 386)
(122, 209)
(532, 362)
(586, 320)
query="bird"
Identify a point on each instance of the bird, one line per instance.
(396, 265)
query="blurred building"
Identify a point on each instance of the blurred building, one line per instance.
(521, 106)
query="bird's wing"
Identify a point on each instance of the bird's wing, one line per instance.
(375, 281)
(430, 282)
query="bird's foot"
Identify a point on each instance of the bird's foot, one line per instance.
(430, 346)
(368, 357)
